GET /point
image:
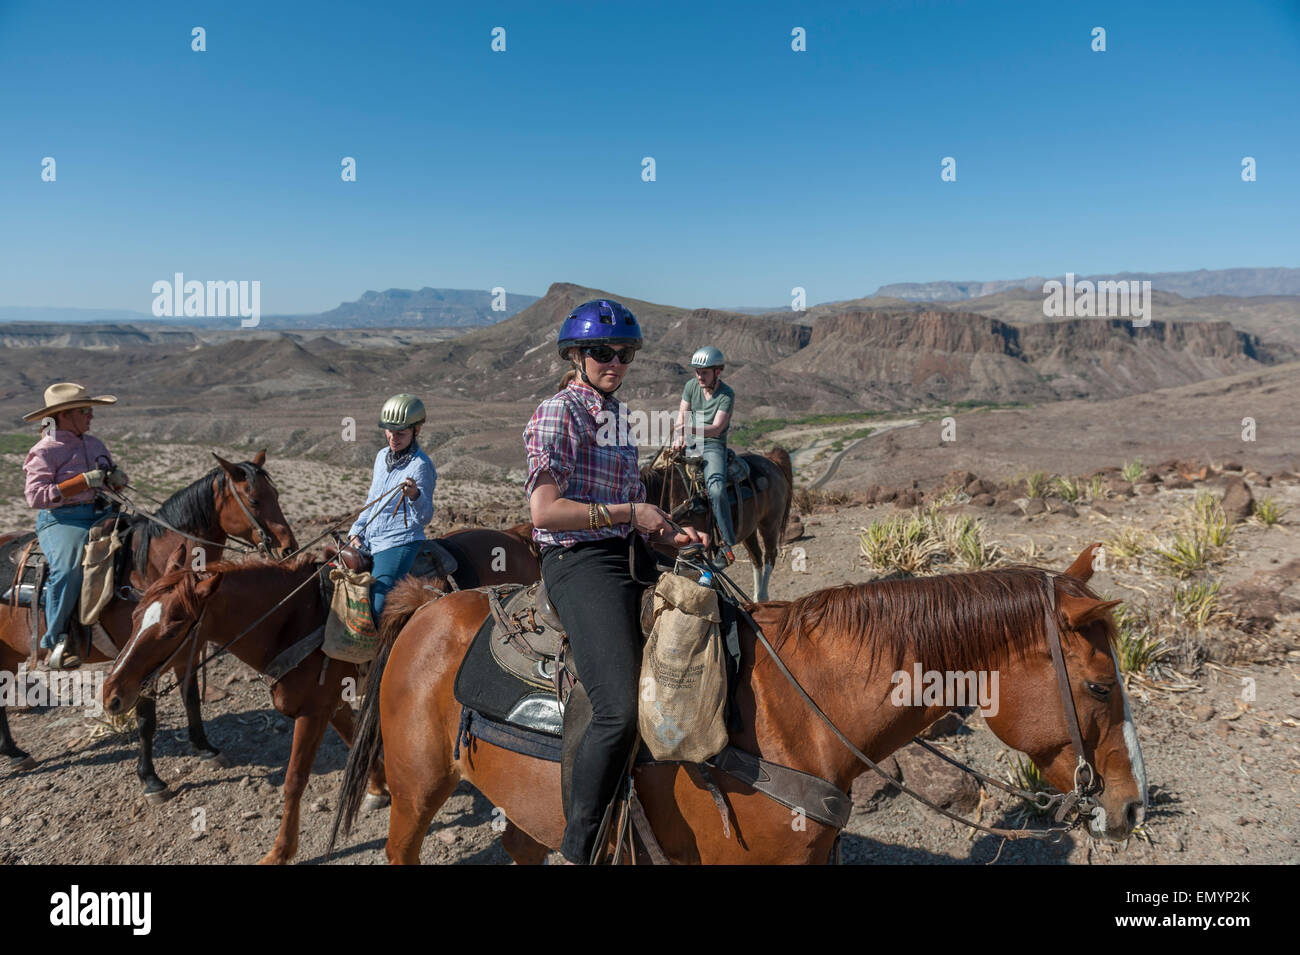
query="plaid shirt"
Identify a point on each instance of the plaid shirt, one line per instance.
(561, 438)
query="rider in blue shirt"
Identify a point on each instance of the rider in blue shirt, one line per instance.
(392, 528)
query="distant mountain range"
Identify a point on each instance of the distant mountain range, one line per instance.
(393, 308)
(1198, 284)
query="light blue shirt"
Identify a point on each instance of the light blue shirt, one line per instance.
(387, 529)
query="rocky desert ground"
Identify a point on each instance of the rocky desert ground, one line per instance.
(1222, 767)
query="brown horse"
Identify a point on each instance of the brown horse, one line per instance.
(209, 509)
(232, 597)
(759, 521)
(842, 644)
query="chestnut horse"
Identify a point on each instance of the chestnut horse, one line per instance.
(315, 694)
(842, 645)
(761, 519)
(208, 509)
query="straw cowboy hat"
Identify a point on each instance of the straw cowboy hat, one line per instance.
(65, 396)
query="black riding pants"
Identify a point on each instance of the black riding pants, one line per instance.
(591, 587)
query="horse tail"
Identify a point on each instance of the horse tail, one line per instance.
(403, 601)
(781, 458)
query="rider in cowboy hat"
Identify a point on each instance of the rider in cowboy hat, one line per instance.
(710, 402)
(63, 470)
(391, 530)
(586, 500)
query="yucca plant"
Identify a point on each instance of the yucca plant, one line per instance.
(1268, 511)
(1068, 489)
(1128, 545)
(903, 543)
(1036, 484)
(1202, 539)
(1136, 645)
(1024, 774)
(1197, 603)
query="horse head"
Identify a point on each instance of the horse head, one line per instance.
(161, 627)
(250, 506)
(1033, 717)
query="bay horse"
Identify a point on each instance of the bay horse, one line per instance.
(759, 521)
(842, 644)
(207, 508)
(316, 693)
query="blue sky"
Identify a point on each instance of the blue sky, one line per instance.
(774, 168)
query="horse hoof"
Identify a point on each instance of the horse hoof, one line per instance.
(159, 797)
(20, 764)
(215, 757)
(375, 801)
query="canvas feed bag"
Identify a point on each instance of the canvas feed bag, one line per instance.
(97, 573)
(350, 632)
(682, 713)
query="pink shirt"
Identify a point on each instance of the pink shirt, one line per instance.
(60, 455)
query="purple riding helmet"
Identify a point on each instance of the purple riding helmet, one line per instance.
(598, 322)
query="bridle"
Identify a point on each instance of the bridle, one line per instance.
(261, 535)
(1074, 805)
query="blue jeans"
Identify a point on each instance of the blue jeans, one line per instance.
(715, 479)
(62, 532)
(391, 565)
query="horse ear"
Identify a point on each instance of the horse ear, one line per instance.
(229, 468)
(1081, 569)
(176, 559)
(260, 458)
(206, 587)
(1080, 611)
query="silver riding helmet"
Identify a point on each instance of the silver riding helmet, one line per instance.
(707, 357)
(400, 412)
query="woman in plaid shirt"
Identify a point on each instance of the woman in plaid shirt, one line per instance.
(586, 499)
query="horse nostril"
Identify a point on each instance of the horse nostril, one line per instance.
(1133, 814)
(114, 705)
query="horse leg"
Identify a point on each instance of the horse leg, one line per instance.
(756, 560)
(146, 722)
(412, 814)
(377, 796)
(15, 758)
(521, 847)
(308, 731)
(194, 718)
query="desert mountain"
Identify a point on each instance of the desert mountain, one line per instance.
(1197, 284)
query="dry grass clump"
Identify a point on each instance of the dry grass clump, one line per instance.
(927, 543)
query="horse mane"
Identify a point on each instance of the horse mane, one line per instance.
(964, 621)
(192, 509)
(183, 581)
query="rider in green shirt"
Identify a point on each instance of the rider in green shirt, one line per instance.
(709, 402)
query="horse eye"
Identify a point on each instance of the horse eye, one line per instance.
(1099, 690)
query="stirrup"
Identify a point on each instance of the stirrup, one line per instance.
(61, 658)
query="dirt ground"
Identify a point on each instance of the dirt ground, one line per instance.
(1224, 773)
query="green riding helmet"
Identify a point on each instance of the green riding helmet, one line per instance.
(400, 412)
(707, 357)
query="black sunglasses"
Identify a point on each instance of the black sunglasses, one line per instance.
(605, 353)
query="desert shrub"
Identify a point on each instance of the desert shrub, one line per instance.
(1197, 603)
(1201, 540)
(1268, 511)
(1036, 484)
(921, 543)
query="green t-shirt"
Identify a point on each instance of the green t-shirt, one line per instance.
(704, 409)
